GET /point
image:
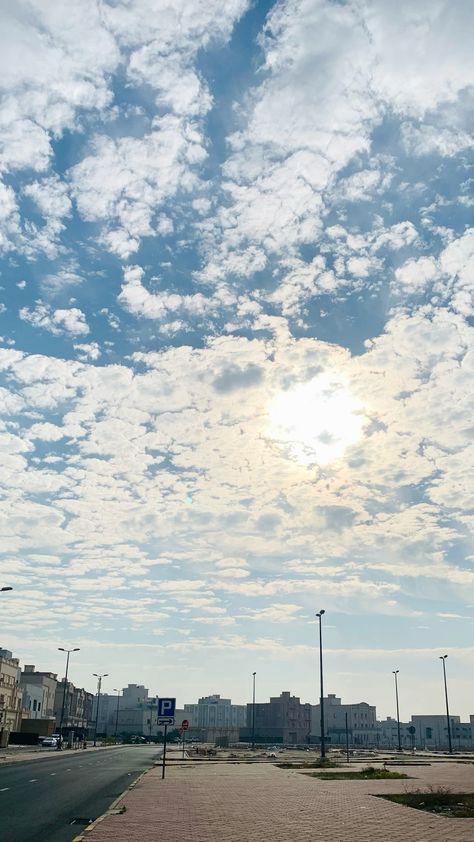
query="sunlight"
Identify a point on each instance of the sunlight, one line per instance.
(316, 421)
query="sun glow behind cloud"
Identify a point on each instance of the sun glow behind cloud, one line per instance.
(317, 421)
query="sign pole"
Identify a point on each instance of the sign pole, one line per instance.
(164, 754)
(184, 738)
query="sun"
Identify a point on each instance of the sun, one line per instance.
(316, 421)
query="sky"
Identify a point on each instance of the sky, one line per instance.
(237, 355)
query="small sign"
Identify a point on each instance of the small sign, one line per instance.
(167, 720)
(185, 725)
(166, 708)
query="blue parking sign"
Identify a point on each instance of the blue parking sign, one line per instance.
(166, 707)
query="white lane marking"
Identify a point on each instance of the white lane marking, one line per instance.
(53, 774)
(68, 770)
(5, 789)
(33, 780)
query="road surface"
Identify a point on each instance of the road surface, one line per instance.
(50, 800)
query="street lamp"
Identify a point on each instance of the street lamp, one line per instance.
(61, 649)
(395, 672)
(117, 712)
(99, 685)
(253, 712)
(319, 615)
(443, 659)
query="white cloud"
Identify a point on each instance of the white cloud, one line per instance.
(58, 322)
(90, 351)
(428, 140)
(124, 182)
(66, 56)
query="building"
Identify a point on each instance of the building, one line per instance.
(284, 719)
(387, 731)
(215, 720)
(431, 732)
(10, 695)
(77, 715)
(361, 722)
(214, 712)
(39, 691)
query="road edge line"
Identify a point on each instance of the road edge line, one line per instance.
(110, 809)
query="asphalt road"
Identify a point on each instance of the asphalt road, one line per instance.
(44, 800)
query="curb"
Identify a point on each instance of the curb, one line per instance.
(39, 755)
(112, 810)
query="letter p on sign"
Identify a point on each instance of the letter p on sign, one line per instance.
(166, 707)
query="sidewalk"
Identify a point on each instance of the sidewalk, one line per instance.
(256, 803)
(20, 754)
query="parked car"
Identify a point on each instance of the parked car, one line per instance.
(49, 742)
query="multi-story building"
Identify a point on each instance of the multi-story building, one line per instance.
(284, 719)
(387, 734)
(136, 713)
(77, 703)
(39, 687)
(431, 731)
(361, 722)
(10, 695)
(214, 712)
(214, 719)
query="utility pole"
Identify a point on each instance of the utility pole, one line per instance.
(61, 649)
(99, 685)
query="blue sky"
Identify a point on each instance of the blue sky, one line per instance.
(236, 318)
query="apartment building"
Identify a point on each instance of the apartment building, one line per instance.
(10, 695)
(39, 691)
(361, 722)
(284, 719)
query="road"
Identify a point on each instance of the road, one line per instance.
(44, 800)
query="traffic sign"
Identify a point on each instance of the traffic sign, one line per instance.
(166, 708)
(167, 720)
(184, 725)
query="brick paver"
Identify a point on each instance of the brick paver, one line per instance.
(252, 803)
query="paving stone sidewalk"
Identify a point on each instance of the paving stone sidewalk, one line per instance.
(255, 803)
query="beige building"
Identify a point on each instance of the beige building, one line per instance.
(10, 695)
(39, 690)
(361, 722)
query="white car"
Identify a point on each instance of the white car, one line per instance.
(49, 742)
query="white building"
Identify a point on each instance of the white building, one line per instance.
(214, 712)
(432, 732)
(39, 690)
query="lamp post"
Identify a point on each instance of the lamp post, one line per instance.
(319, 615)
(68, 651)
(117, 712)
(395, 673)
(99, 685)
(443, 659)
(253, 712)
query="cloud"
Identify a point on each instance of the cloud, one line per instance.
(66, 57)
(123, 183)
(58, 322)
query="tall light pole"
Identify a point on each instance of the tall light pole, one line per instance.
(253, 712)
(443, 659)
(319, 615)
(395, 672)
(99, 685)
(117, 712)
(68, 651)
